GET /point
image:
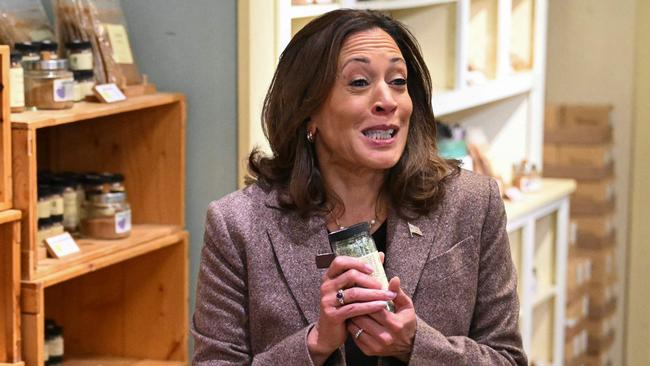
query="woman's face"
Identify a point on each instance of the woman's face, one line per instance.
(363, 123)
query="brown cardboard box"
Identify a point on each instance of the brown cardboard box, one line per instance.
(601, 357)
(589, 241)
(579, 135)
(603, 265)
(599, 226)
(578, 276)
(577, 172)
(602, 300)
(577, 310)
(595, 191)
(594, 156)
(587, 116)
(575, 346)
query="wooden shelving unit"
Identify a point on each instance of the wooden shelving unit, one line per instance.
(10, 287)
(5, 131)
(120, 302)
(538, 231)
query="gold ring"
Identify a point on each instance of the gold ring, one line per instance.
(358, 333)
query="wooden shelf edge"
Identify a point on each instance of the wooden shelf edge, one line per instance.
(21, 363)
(86, 110)
(9, 216)
(78, 269)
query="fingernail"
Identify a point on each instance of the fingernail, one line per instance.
(391, 294)
(368, 268)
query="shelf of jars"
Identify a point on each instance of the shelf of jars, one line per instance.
(128, 283)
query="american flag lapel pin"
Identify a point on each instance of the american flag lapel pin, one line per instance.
(414, 230)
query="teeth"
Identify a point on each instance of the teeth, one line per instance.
(379, 134)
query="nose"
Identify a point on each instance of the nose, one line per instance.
(384, 102)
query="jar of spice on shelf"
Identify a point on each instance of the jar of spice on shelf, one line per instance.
(16, 83)
(29, 51)
(84, 81)
(80, 54)
(48, 84)
(49, 50)
(108, 216)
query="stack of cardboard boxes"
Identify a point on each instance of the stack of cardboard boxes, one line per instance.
(578, 144)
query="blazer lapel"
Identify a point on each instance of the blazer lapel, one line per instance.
(296, 241)
(407, 251)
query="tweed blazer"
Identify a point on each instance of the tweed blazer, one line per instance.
(258, 286)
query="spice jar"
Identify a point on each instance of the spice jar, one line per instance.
(84, 81)
(54, 342)
(28, 50)
(356, 241)
(114, 182)
(48, 50)
(70, 206)
(48, 84)
(80, 54)
(108, 216)
(56, 196)
(44, 204)
(16, 83)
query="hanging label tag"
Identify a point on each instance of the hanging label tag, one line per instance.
(61, 245)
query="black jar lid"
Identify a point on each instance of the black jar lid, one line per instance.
(26, 47)
(112, 177)
(349, 232)
(48, 45)
(83, 74)
(78, 45)
(44, 191)
(16, 56)
(91, 179)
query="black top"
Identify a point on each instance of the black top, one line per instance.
(353, 355)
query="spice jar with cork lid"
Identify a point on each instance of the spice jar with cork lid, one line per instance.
(80, 54)
(48, 84)
(16, 83)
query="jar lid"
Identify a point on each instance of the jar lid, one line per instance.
(16, 56)
(48, 45)
(44, 191)
(26, 47)
(113, 197)
(91, 179)
(349, 232)
(78, 45)
(56, 64)
(112, 177)
(83, 74)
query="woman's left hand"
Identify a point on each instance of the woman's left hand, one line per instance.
(385, 333)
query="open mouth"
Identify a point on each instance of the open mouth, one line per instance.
(380, 133)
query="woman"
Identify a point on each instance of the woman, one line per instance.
(348, 117)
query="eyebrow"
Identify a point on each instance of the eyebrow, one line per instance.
(366, 60)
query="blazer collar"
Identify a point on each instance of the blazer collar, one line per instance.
(296, 241)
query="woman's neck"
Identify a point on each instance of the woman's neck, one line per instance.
(359, 195)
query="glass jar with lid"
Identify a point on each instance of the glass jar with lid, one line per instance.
(48, 84)
(49, 50)
(80, 54)
(107, 216)
(28, 50)
(356, 241)
(16, 83)
(84, 81)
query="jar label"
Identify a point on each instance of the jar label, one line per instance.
(56, 347)
(123, 222)
(17, 85)
(63, 90)
(81, 61)
(57, 206)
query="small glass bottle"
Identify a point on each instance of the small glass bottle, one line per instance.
(28, 50)
(356, 241)
(80, 54)
(49, 50)
(84, 81)
(16, 83)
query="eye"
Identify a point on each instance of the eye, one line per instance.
(399, 82)
(359, 83)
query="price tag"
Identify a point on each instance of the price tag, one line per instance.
(61, 245)
(109, 93)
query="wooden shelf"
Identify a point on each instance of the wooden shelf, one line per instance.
(9, 216)
(5, 133)
(399, 4)
(313, 10)
(116, 361)
(551, 191)
(87, 110)
(9, 287)
(473, 96)
(97, 254)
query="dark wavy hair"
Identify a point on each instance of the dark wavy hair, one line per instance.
(304, 77)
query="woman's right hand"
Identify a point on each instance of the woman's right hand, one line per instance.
(362, 295)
